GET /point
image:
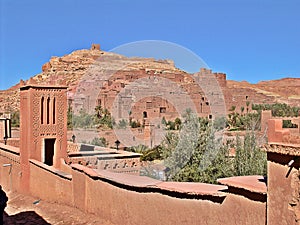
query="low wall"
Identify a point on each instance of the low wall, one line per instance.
(50, 184)
(130, 199)
(10, 169)
(73, 147)
(282, 135)
(12, 142)
(122, 199)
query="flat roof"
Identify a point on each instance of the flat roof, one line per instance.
(187, 188)
(253, 183)
(194, 188)
(283, 148)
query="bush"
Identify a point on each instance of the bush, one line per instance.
(99, 142)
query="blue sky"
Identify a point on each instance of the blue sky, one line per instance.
(249, 40)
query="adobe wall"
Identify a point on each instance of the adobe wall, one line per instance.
(283, 151)
(130, 201)
(277, 134)
(282, 202)
(50, 184)
(155, 208)
(124, 204)
(12, 142)
(10, 169)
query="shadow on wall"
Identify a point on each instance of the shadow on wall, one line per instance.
(27, 217)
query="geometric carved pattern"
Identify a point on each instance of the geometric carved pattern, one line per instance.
(60, 114)
(48, 129)
(36, 115)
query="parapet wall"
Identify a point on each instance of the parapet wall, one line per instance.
(12, 142)
(283, 184)
(127, 199)
(277, 134)
(131, 199)
(283, 151)
(10, 168)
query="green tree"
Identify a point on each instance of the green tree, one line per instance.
(168, 144)
(186, 144)
(207, 162)
(249, 159)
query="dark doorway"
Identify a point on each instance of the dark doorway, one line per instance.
(49, 151)
(145, 114)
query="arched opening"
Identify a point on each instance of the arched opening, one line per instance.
(48, 110)
(42, 110)
(53, 116)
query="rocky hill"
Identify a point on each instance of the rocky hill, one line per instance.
(71, 69)
(286, 90)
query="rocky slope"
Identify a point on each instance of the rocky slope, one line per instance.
(286, 90)
(72, 68)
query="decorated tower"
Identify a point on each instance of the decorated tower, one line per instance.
(43, 126)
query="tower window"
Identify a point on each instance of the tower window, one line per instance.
(54, 111)
(42, 110)
(48, 110)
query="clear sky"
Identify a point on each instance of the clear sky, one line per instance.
(249, 40)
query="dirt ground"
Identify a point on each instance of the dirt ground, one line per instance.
(23, 209)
